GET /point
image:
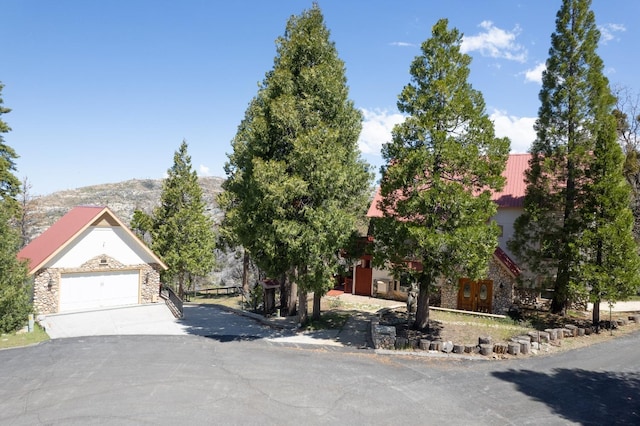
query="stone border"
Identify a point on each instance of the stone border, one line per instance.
(384, 339)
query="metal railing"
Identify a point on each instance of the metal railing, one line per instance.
(172, 300)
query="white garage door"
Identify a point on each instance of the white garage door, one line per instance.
(98, 290)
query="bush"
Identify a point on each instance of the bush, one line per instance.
(15, 307)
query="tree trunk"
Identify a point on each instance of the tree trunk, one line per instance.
(284, 298)
(422, 312)
(181, 286)
(245, 272)
(302, 306)
(596, 315)
(316, 306)
(292, 295)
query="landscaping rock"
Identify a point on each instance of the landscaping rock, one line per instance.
(580, 332)
(573, 329)
(425, 344)
(401, 342)
(486, 349)
(567, 332)
(486, 340)
(500, 348)
(635, 318)
(544, 337)
(553, 334)
(447, 347)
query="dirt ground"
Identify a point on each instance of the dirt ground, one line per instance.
(461, 328)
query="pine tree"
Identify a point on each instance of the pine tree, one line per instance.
(442, 164)
(9, 183)
(610, 267)
(182, 234)
(574, 131)
(14, 289)
(295, 180)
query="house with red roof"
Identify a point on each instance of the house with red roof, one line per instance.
(495, 294)
(90, 260)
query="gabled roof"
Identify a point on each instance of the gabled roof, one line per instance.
(64, 231)
(511, 196)
(507, 262)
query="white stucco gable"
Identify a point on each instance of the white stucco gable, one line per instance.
(95, 241)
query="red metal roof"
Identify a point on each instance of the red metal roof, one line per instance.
(507, 262)
(61, 232)
(512, 195)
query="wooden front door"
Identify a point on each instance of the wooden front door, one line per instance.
(475, 295)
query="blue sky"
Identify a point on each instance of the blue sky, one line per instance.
(105, 91)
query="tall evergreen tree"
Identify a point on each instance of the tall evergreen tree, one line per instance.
(611, 266)
(9, 183)
(295, 180)
(442, 164)
(14, 289)
(573, 130)
(627, 114)
(182, 234)
(15, 294)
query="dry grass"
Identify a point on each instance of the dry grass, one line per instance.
(460, 328)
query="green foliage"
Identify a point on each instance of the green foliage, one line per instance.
(141, 224)
(295, 180)
(574, 179)
(181, 232)
(442, 165)
(611, 266)
(9, 183)
(15, 294)
(24, 339)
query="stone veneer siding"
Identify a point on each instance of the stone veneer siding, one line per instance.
(503, 288)
(46, 286)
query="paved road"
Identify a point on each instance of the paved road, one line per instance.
(237, 377)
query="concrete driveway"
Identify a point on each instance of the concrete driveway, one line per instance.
(152, 319)
(156, 319)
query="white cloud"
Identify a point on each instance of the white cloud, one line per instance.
(401, 44)
(534, 74)
(495, 43)
(376, 129)
(204, 170)
(608, 32)
(518, 129)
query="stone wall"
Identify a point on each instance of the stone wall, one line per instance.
(46, 289)
(503, 287)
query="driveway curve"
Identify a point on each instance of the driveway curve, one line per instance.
(130, 380)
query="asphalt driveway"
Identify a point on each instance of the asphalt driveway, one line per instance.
(134, 380)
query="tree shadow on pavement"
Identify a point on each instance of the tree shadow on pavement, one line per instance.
(587, 397)
(225, 325)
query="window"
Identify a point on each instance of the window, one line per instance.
(483, 292)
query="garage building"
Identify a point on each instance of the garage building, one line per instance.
(90, 260)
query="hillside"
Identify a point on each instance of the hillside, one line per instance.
(122, 198)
